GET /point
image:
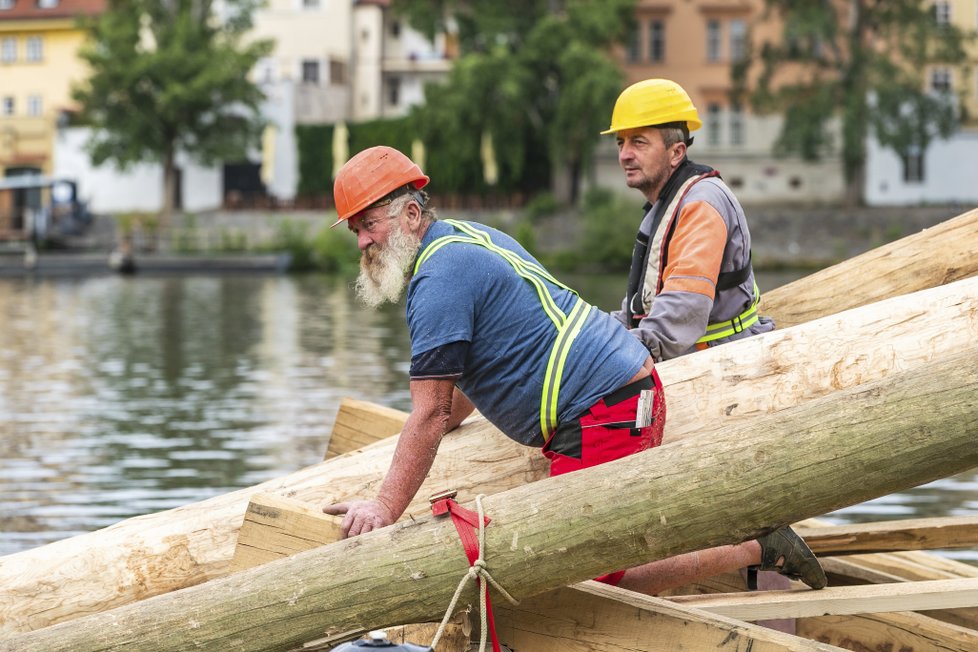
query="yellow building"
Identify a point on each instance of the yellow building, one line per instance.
(39, 42)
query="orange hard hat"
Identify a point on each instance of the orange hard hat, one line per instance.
(370, 176)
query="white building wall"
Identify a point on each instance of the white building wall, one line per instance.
(366, 75)
(110, 190)
(950, 174)
(279, 110)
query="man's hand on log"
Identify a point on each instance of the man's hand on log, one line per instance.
(361, 516)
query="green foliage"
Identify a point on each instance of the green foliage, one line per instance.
(863, 62)
(169, 77)
(327, 249)
(541, 205)
(536, 75)
(315, 147)
(610, 224)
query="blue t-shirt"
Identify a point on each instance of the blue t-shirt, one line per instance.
(467, 293)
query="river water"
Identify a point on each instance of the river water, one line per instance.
(121, 396)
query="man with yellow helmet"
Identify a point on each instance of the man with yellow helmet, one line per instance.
(691, 284)
(490, 328)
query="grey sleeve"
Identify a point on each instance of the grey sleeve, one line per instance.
(677, 320)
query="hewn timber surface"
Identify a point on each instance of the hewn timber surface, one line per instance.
(941, 254)
(721, 388)
(891, 536)
(913, 427)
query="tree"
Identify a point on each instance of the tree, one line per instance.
(863, 61)
(535, 75)
(169, 76)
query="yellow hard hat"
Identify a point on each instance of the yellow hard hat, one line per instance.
(653, 102)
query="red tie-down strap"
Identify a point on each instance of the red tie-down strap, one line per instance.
(467, 525)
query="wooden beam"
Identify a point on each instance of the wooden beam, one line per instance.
(713, 391)
(941, 254)
(276, 527)
(903, 631)
(594, 617)
(361, 423)
(838, 601)
(892, 536)
(561, 530)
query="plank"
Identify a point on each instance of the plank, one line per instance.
(361, 423)
(594, 617)
(869, 598)
(903, 631)
(892, 536)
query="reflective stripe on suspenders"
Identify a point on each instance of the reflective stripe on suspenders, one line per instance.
(740, 323)
(568, 326)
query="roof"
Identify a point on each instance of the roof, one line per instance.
(30, 9)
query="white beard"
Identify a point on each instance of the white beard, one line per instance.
(384, 273)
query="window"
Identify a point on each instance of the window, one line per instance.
(310, 4)
(35, 105)
(913, 166)
(7, 105)
(736, 125)
(713, 40)
(35, 48)
(713, 126)
(337, 72)
(8, 50)
(47, 4)
(942, 13)
(633, 48)
(6, 4)
(940, 80)
(394, 91)
(310, 71)
(657, 41)
(738, 40)
(395, 28)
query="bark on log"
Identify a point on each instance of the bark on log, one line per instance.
(855, 445)
(719, 388)
(941, 254)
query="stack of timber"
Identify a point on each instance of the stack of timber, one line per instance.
(830, 412)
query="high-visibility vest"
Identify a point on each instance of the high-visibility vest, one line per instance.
(647, 268)
(568, 325)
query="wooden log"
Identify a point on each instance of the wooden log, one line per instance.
(649, 506)
(892, 536)
(594, 617)
(761, 375)
(941, 254)
(717, 389)
(839, 601)
(361, 423)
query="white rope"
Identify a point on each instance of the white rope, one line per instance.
(476, 571)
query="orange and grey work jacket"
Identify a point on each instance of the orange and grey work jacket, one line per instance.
(691, 284)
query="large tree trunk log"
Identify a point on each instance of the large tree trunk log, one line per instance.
(730, 485)
(722, 387)
(941, 254)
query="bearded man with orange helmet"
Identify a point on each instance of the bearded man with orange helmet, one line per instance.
(690, 285)
(491, 329)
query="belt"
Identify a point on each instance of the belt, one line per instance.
(626, 392)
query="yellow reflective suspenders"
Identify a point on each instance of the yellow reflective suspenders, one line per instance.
(568, 326)
(741, 322)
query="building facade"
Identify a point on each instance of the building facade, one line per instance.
(39, 43)
(945, 171)
(696, 43)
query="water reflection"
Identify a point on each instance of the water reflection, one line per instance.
(123, 396)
